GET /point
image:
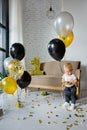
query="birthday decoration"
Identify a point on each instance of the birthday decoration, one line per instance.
(36, 63)
(17, 51)
(64, 24)
(16, 75)
(6, 62)
(68, 40)
(25, 80)
(56, 49)
(9, 85)
(15, 69)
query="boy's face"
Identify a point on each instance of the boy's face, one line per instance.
(68, 72)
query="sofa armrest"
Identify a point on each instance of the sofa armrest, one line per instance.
(78, 74)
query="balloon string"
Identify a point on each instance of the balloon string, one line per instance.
(61, 92)
(64, 57)
(17, 95)
(61, 67)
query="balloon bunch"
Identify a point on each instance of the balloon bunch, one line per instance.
(63, 25)
(16, 75)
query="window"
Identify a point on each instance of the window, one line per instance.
(4, 32)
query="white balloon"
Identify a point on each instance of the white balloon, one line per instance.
(64, 24)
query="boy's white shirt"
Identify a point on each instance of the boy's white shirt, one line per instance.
(69, 78)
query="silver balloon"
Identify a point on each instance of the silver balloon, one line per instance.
(64, 24)
(6, 62)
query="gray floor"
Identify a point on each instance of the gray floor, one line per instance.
(43, 113)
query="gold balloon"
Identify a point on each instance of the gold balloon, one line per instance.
(62, 39)
(0, 84)
(68, 40)
(9, 85)
(15, 69)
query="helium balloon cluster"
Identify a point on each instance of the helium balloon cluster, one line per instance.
(63, 24)
(16, 75)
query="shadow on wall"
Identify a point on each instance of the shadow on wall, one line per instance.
(83, 90)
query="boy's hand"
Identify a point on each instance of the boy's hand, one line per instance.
(68, 83)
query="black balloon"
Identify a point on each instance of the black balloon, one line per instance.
(25, 80)
(17, 51)
(56, 49)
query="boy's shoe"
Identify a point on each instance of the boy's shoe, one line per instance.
(72, 106)
(66, 105)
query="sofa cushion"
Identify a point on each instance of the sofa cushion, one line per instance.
(47, 80)
(56, 67)
(52, 68)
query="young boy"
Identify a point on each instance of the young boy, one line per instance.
(69, 81)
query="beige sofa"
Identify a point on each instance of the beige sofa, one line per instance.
(53, 71)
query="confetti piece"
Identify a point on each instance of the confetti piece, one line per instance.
(31, 112)
(67, 118)
(57, 115)
(33, 107)
(70, 115)
(76, 123)
(24, 118)
(79, 109)
(48, 116)
(79, 115)
(49, 104)
(40, 121)
(48, 101)
(47, 112)
(49, 122)
(54, 122)
(67, 128)
(64, 122)
(82, 122)
(31, 115)
(70, 125)
(44, 93)
(19, 104)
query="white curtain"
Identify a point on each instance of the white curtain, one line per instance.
(15, 22)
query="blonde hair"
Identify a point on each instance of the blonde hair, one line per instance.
(68, 66)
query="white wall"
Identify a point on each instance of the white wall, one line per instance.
(38, 29)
